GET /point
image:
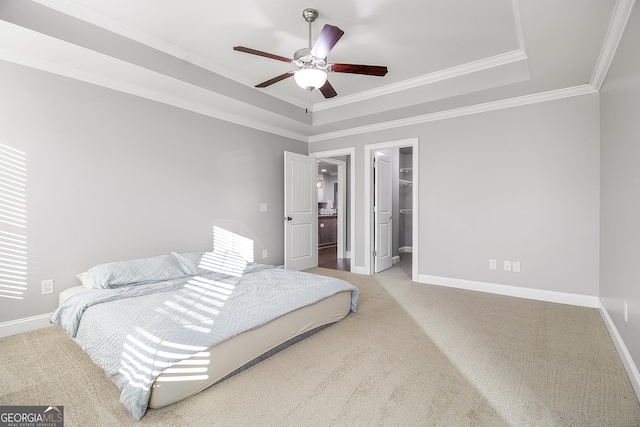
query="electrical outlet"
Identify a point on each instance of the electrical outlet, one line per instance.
(47, 287)
(507, 266)
(626, 312)
(264, 253)
(515, 266)
(493, 264)
(263, 207)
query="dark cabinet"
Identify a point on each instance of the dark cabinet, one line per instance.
(327, 230)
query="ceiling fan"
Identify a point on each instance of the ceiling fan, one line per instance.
(312, 61)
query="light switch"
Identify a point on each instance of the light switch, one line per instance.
(263, 207)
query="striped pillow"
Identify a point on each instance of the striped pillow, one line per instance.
(135, 272)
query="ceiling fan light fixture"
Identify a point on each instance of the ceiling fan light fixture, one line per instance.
(312, 61)
(310, 78)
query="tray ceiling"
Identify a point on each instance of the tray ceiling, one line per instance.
(442, 55)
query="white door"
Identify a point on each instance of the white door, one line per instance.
(300, 212)
(383, 219)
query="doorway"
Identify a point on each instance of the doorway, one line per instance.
(397, 234)
(336, 213)
(331, 187)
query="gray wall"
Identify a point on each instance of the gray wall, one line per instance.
(620, 202)
(113, 177)
(519, 184)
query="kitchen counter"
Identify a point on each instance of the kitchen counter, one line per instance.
(327, 229)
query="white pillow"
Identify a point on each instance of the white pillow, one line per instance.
(135, 272)
(85, 280)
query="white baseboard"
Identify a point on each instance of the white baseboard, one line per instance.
(550, 296)
(358, 270)
(24, 325)
(513, 291)
(627, 361)
(395, 259)
(347, 254)
(405, 249)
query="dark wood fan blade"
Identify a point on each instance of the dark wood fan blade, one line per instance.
(276, 79)
(260, 53)
(369, 70)
(327, 39)
(327, 90)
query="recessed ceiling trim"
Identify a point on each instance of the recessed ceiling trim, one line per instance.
(136, 90)
(75, 10)
(621, 13)
(620, 16)
(41, 52)
(460, 70)
(518, 23)
(458, 112)
(85, 14)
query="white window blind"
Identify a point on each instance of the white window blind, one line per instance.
(13, 223)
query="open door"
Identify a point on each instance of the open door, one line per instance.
(383, 231)
(300, 212)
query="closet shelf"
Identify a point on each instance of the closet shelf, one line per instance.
(406, 211)
(405, 170)
(404, 183)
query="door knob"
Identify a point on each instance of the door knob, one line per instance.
(288, 218)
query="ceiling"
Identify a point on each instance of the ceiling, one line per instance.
(445, 57)
(328, 168)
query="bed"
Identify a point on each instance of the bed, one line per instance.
(166, 328)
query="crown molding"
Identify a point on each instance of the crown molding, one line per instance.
(460, 70)
(83, 13)
(517, 19)
(33, 50)
(621, 13)
(449, 73)
(462, 111)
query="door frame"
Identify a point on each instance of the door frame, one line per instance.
(351, 152)
(368, 202)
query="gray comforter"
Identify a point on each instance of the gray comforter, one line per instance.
(136, 332)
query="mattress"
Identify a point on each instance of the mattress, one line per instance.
(161, 342)
(193, 375)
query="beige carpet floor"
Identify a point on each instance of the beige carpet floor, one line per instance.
(413, 355)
